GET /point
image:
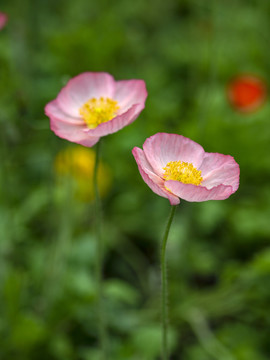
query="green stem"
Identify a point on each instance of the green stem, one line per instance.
(164, 303)
(102, 334)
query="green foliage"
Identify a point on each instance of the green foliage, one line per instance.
(218, 252)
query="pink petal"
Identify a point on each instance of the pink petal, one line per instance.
(220, 169)
(83, 87)
(3, 19)
(130, 92)
(72, 132)
(117, 123)
(155, 183)
(52, 109)
(190, 192)
(162, 148)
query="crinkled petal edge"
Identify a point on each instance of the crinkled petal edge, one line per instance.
(155, 183)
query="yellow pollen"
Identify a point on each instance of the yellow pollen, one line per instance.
(183, 172)
(97, 111)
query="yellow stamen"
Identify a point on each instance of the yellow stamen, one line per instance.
(183, 172)
(96, 111)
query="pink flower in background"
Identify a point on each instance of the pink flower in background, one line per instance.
(3, 20)
(93, 105)
(176, 167)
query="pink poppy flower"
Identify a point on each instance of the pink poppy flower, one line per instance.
(92, 105)
(175, 167)
(3, 20)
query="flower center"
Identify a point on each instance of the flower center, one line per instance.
(97, 111)
(183, 172)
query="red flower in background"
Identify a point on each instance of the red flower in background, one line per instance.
(3, 19)
(246, 93)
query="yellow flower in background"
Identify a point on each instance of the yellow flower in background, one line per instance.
(77, 163)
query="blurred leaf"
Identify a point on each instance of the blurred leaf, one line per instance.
(119, 291)
(147, 341)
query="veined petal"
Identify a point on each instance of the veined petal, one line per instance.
(194, 193)
(116, 123)
(162, 148)
(83, 87)
(72, 132)
(52, 109)
(129, 93)
(219, 169)
(155, 183)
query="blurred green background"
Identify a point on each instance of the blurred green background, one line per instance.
(218, 251)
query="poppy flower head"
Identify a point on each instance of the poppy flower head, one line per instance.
(246, 93)
(176, 167)
(93, 105)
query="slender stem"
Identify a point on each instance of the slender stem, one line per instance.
(164, 303)
(99, 261)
